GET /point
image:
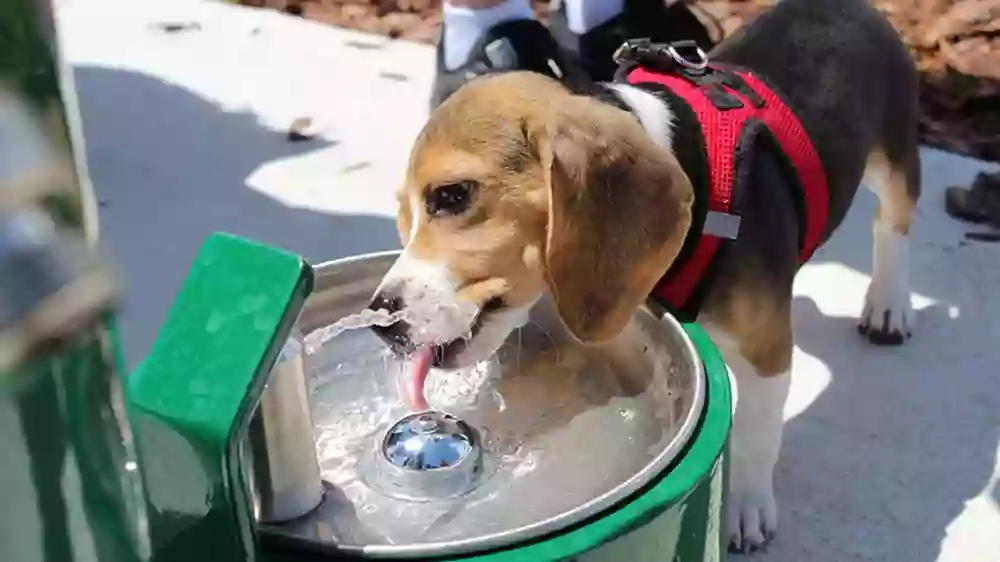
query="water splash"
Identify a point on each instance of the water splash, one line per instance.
(431, 322)
(364, 319)
(353, 379)
(462, 389)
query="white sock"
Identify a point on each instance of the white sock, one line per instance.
(464, 26)
(584, 15)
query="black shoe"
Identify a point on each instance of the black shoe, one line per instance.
(649, 19)
(513, 45)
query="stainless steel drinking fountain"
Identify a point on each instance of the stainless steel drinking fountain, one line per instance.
(590, 455)
(445, 483)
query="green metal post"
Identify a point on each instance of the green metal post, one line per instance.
(69, 480)
(192, 398)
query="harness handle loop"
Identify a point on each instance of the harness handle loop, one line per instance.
(686, 54)
(699, 63)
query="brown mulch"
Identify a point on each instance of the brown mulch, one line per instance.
(956, 44)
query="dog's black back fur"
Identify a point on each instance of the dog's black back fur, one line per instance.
(845, 72)
(843, 69)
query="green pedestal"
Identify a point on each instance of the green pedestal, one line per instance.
(192, 398)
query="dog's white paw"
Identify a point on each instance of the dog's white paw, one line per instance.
(752, 519)
(887, 318)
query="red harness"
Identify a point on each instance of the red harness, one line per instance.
(723, 125)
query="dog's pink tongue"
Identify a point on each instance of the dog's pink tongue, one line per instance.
(420, 365)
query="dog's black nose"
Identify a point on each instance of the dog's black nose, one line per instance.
(396, 335)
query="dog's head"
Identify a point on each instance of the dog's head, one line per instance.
(516, 186)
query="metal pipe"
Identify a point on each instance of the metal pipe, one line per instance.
(285, 473)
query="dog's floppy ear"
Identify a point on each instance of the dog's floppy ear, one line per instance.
(619, 208)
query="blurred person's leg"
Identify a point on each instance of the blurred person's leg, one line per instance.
(593, 29)
(485, 36)
(467, 21)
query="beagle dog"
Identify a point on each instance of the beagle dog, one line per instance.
(520, 186)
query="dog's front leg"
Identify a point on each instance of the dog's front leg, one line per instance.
(763, 378)
(756, 441)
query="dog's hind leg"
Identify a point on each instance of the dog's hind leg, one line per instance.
(894, 176)
(753, 330)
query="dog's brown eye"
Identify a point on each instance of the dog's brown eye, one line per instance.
(450, 199)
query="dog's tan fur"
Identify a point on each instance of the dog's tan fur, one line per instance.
(896, 202)
(546, 163)
(759, 318)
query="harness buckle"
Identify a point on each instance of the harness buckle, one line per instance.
(629, 51)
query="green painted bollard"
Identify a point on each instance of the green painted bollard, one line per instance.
(191, 400)
(67, 473)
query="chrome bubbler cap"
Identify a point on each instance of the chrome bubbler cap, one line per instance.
(430, 455)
